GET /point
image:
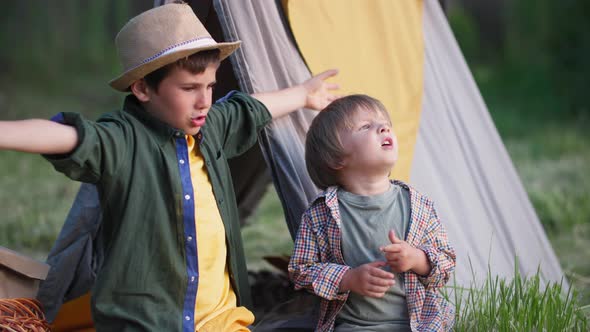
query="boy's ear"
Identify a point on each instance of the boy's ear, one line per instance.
(338, 165)
(141, 90)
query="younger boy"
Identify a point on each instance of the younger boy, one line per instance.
(173, 257)
(349, 249)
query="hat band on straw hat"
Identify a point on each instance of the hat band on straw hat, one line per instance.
(159, 37)
(186, 45)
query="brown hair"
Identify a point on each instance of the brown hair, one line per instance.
(195, 63)
(323, 147)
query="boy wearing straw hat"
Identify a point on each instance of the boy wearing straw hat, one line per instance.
(173, 252)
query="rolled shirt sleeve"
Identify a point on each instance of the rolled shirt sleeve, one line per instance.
(441, 255)
(101, 150)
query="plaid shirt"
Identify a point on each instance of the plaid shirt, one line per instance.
(317, 263)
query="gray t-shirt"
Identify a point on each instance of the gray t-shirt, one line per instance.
(366, 222)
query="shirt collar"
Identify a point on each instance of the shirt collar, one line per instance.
(190, 141)
(330, 195)
(162, 131)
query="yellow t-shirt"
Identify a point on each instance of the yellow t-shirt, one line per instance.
(215, 307)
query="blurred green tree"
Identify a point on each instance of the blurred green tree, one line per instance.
(545, 40)
(50, 40)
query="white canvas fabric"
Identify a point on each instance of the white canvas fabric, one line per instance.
(462, 164)
(268, 60)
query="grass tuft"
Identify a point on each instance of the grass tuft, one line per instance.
(517, 304)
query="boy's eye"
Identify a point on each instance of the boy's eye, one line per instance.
(366, 126)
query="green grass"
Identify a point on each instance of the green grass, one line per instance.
(518, 304)
(35, 198)
(550, 147)
(267, 233)
(573, 252)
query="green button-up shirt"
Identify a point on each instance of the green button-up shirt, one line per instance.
(149, 279)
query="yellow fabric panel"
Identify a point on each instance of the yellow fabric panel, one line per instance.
(74, 316)
(379, 48)
(216, 301)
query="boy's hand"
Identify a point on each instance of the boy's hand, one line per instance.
(318, 90)
(402, 257)
(367, 280)
(313, 93)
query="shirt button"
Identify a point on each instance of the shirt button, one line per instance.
(187, 318)
(189, 238)
(187, 197)
(181, 161)
(192, 279)
(208, 163)
(177, 134)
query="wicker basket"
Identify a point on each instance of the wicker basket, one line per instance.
(22, 315)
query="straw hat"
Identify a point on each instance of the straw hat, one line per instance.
(161, 36)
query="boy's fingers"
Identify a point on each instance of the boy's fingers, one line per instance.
(332, 86)
(381, 282)
(376, 272)
(392, 259)
(375, 294)
(394, 239)
(327, 74)
(377, 264)
(391, 248)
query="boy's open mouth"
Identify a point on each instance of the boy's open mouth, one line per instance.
(198, 121)
(388, 141)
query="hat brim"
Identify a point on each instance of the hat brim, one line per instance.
(123, 82)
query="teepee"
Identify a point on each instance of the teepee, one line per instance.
(403, 53)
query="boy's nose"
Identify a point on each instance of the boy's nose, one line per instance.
(203, 102)
(202, 105)
(384, 129)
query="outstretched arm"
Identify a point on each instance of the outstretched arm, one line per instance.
(313, 93)
(37, 136)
